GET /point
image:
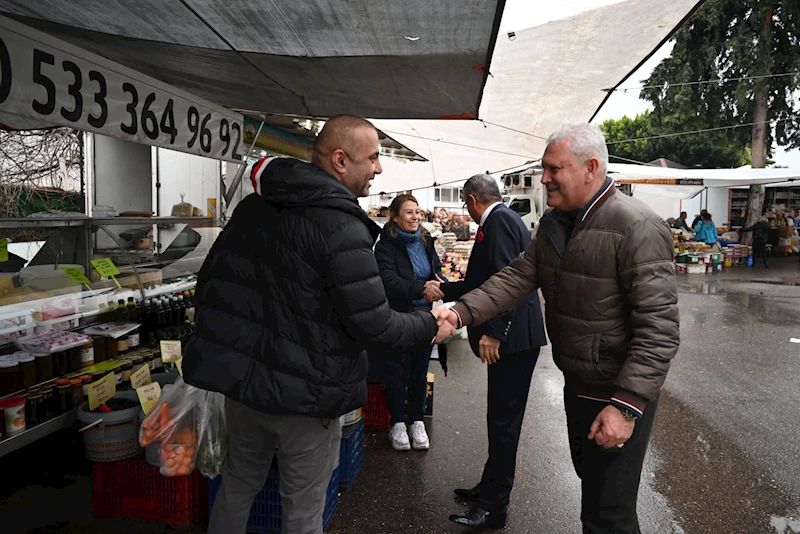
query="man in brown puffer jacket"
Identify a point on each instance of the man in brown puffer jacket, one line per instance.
(604, 263)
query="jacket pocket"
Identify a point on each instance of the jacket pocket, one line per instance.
(596, 347)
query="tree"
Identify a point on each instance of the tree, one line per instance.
(747, 49)
(708, 151)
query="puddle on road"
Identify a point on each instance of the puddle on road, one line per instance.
(709, 482)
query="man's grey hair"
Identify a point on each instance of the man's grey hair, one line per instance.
(483, 187)
(586, 141)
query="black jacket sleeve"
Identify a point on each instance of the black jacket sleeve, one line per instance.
(503, 238)
(359, 300)
(397, 288)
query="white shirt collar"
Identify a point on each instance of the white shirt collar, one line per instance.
(488, 211)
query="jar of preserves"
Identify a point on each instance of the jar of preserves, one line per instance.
(150, 361)
(27, 370)
(85, 381)
(111, 348)
(44, 367)
(49, 401)
(99, 343)
(64, 396)
(138, 362)
(127, 370)
(87, 354)
(76, 385)
(75, 359)
(9, 376)
(60, 363)
(34, 409)
(122, 346)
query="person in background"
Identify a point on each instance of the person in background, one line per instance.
(509, 344)
(680, 223)
(408, 266)
(760, 236)
(706, 231)
(698, 218)
(604, 263)
(288, 300)
(383, 211)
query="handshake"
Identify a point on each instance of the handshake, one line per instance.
(447, 321)
(432, 291)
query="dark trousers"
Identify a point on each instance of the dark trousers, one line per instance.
(415, 378)
(509, 382)
(609, 477)
(760, 251)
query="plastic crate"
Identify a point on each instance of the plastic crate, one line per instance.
(351, 456)
(265, 514)
(376, 411)
(132, 488)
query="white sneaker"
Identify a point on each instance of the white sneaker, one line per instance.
(399, 437)
(419, 437)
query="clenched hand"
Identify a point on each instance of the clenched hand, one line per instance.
(610, 428)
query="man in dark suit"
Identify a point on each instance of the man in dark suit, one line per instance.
(509, 344)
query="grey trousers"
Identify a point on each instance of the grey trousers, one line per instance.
(306, 447)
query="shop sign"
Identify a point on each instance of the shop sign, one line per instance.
(49, 80)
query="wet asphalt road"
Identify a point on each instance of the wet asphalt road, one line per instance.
(723, 459)
(725, 456)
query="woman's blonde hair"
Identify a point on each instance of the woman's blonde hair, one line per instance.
(394, 211)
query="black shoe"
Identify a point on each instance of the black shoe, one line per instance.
(472, 494)
(480, 519)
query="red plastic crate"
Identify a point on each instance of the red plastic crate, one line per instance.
(132, 488)
(376, 411)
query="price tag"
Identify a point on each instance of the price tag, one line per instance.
(141, 377)
(3, 250)
(170, 351)
(105, 267)
(148, 396)
(76, 274)
(102, 390)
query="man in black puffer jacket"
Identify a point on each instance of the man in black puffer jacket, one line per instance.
(288, 300)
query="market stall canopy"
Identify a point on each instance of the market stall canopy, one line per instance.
(410, 59)
(744, 176)
(546, 76)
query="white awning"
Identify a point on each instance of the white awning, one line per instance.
(745, 176)
(547, 76)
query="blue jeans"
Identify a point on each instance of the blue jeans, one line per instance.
(415, 372)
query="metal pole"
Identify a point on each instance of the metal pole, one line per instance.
(238, 179)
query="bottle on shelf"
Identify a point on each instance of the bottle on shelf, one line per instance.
(134, 338)
(182, 306)
(176, 311)
(123, 314)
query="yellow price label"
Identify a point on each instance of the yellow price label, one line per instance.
(3, 250)
(141, 377)
(148, 396)
(170, 351)
(105, 267)
(76, 274)
(102, 390)
(179, 365)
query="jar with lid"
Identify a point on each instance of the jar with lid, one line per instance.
(122, 346)
(64, 396)
(85, 381)
(49, 401)
(87, 354)
(76, 385)
(127, 370)
(150, 361)
(138, 362)
(60, 363)
(44, 367)
(118, 376)
(9, 376)
(27, 370)
(111, 348)
(34, 409)
(99, 343)
(75, 359)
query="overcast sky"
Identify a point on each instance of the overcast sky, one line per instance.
(522, 14)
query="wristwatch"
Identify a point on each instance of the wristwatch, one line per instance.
(627, 414)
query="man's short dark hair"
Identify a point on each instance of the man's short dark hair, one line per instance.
(483, 187)
(683, 214)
